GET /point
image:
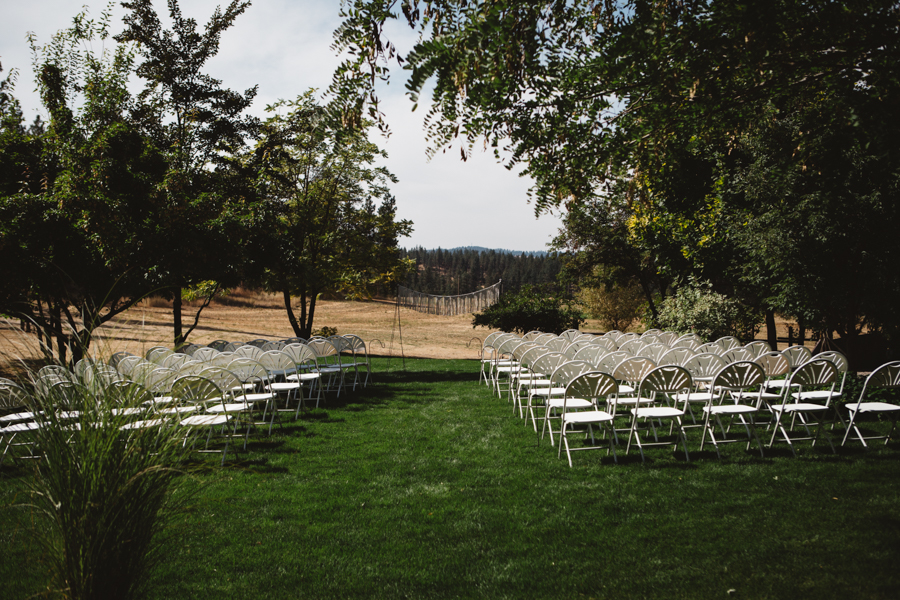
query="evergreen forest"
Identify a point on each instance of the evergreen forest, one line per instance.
(464, 270)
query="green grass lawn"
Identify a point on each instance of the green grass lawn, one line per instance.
(425, 486)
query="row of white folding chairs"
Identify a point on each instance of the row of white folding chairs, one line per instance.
(723, 379)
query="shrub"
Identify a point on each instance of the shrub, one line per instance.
(616, 307)
(696, 308)
(529, 309)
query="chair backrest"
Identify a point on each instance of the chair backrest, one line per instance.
(218, 344)
(190, 349)
(157, 353)
(634, 369)
(547, 363)
(490, 338)
(249, 370)
(604, 342)
(522, 348)
(632, 345)
(676, 356)
(797, 355)
(626, 337)
(728, 342)
(568, 371)
(544, 337)
(608, 362)
(885, 376)
(301, 354)
(686, 342)
(507, 346)
(710, 348)
(557, 344)
(356, 344)
(232, 346)
(667, 379)
(204, 354)
(706, 364)
(649, 338)
(227, 381)
(115, 358)
(175, 360)
(193, 389)
(591, 353)
(613, 334)
(691, 336)
(277, 363)
(815, 372)
(325, 350)
(654, 351)
(570, 334)
(667, 337)
(273, 345)
(572, 349)
(127, 363)
(775, 364)
(249, 351)
(531, 355)
(12, 397)
(758, 347)
(532, 335)
(341, 343)
(739, 376)
(738, 354)
(592, 385)
(651, 331)
(840, 361)
(259, 343)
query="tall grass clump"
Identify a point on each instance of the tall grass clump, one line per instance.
(103, 484)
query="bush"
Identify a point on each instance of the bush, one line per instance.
(616, 307)
(530, 309)
(695, 308)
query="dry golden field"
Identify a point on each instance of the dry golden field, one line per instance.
(246, 316)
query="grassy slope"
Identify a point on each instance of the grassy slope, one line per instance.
(426, 486)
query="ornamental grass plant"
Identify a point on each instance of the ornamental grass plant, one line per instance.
(101, 485)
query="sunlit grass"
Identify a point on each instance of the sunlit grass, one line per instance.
(425, 486)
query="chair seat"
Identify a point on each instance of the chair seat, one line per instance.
(17, 417)
(873, 407)
(574, 403)
(144, 424)
(19, 428)
(730, 409)
(206, 420)
(657, 412)
(814, 395)
(303, 377)
(285, 386)
(698, 397)
(587, 416)
(798, 407)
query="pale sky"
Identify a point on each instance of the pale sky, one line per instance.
(283, 47)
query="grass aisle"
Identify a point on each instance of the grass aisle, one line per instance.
(424, 486)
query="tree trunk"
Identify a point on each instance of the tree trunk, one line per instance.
(56, 323)
(176, 318)
(292, 318)
(771, 330)
(801, 333)
(311, 314)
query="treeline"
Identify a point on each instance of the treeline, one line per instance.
(464, 270)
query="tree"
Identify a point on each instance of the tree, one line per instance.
(665, 102)
(530, 309)
(71, 236)
(210, 208)
(327, 232)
